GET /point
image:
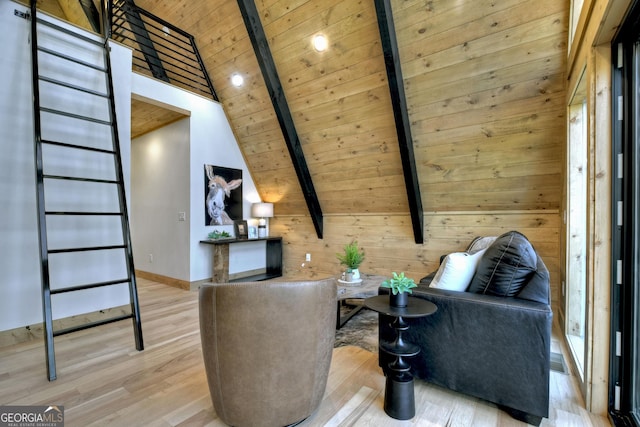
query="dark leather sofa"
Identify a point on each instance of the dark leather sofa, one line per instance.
(483, 344)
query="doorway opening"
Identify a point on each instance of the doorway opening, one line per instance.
(160, 191)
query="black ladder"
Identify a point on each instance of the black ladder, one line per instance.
(83, 224)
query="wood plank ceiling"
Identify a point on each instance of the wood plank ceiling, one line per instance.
(339, 99)
(485, 87)
(147, 117)
(484, 81)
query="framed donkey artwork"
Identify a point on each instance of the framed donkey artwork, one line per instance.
(222, 195)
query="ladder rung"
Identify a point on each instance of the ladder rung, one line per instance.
(69, 58)
(89, 286)
(75, 116)
(79, 147)
(80, 213)
(75, 178)
(74, 87)
(86, 249)
(91, 325)
(70, 33)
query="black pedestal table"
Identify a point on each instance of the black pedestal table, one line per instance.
(399, 399)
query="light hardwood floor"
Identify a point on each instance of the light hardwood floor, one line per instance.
(104, 381)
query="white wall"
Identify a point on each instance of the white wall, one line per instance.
(19, 269)
(20, 284)
(159, 191)
(211, 142)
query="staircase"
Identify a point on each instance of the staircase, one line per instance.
(85, 241)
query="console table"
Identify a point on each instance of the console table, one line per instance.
(221, 259)
(399, 399)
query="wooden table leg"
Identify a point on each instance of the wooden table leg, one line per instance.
(221, 263)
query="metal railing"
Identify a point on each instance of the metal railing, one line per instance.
(160, 49)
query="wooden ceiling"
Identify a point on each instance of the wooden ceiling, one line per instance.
(485, 85)
(339, 99)
(481, 77)
(147, 117)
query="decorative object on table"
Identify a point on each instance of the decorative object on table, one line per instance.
(262, 211)
(253, 232)
(216, 234)
(347, 278)
(351, 258)
(348, 275)
(218, 185)
(241, 229)
(400, 286)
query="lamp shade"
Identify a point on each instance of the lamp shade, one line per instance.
(262, 210)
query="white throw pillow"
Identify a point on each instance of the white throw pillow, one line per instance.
(456, 271)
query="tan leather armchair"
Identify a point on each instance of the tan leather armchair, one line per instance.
(267, 348)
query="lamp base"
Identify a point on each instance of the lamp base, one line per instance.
(262, 231)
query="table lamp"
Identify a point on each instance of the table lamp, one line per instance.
(262, 211)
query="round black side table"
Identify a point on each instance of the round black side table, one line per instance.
(399, 399)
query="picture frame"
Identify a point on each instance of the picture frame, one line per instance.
(253, 232)
(241, 229)
(222, 195)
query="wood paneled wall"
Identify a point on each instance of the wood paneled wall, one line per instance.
(486, 89)
(388, 241)
(486, 93)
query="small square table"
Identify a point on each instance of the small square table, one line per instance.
(366, 288)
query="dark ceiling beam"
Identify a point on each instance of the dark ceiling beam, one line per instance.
(147, 47)
(401, 115)
(267, 65)
(92, 13)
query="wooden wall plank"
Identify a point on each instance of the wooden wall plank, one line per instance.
(485, 83)
(388, 246)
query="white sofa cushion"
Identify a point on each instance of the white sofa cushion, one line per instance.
(456, 271)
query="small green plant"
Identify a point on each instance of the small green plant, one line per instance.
(399, 283)
(215, 234)
(352, 256)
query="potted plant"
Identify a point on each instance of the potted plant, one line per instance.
(215, 234)
(352, 258)
(400, 286)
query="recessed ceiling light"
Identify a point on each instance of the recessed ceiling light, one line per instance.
(237, 80)
(320, 43)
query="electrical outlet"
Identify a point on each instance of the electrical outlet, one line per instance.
(182, 216)
(308, 258)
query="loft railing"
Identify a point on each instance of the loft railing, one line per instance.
(160, 49)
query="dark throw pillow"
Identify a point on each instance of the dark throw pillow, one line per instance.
(505, 267)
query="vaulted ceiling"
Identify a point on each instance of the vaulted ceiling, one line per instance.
(339, 99)
(477, 73)
(485, 86)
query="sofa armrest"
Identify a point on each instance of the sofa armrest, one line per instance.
(426, 280)
(488, 302)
